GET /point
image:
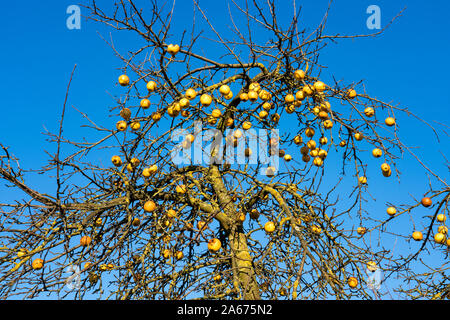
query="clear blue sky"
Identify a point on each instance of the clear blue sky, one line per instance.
(407, 65)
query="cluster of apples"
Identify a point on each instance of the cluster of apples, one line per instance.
(135, 125)
(214, 244)
(169, 215)
(377, 153)
(256, 93)
(292, 102)
(441, 236)
(38, 263)
(145, 103)
(124, 81)
(321, 109)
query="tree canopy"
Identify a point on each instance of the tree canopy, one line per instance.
(213, 179)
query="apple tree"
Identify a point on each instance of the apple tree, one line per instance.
(230, 170)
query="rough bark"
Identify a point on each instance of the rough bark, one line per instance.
(243, 269)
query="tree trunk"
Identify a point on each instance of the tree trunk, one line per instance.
(243, 270)
(243, 266)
